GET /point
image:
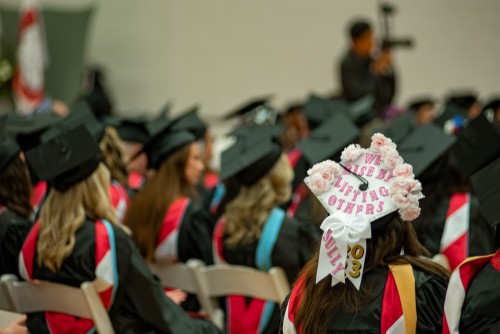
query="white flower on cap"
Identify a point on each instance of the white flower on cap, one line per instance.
(366, 185)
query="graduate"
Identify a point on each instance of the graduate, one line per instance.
(368, 274)
(166, 223)
(77, 239)
(473, 297)
(253, 230)
(15, 206)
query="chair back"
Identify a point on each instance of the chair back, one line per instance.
(40, 296)
(6, 318)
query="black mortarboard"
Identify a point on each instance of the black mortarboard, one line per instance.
(493, 104)
(463, 100)
(401, 127)
(132, 129)
(255, 112)
(424, 146)
(165, 144)
(318, 109)
(8, 147)
(477, 145)
(329, 138)
(28, 129)
(417, 103)
(250, 157)
(189, 121)
(486, 183)
(65, 159)
(80, 113)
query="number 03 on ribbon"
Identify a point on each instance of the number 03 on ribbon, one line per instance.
(356, 262)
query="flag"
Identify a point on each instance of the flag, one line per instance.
(28, 81)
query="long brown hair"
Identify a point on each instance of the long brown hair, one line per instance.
(320, 301)
(15, 188)
(247, 213)
(63, 213)
(147, 209)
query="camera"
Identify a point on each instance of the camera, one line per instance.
(387, 11)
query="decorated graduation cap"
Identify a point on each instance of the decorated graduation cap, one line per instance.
(486, 183)
(80, 113)
(66, 158)
(190, 121)
(250, 157)
(28, 129)
(477, 144)
(329, 138)
(256, 111)
(363, 191)
(8, 147)
(424, 146)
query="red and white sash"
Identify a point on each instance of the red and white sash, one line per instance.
(294, 156)
(135, 180)
(106, 276)
(39, 192)
(119, 199)
(166, 244)
(398, 303)
(298, 196)
(458, 286)
(210, 180)
(454, 242)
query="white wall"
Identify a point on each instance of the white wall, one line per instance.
(219, 53)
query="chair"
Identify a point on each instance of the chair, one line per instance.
(224, 279)
(7, 317)
(39, 296)
(175, 276)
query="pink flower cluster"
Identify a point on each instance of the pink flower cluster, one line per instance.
(352, 153)
(405, 191)
(322, 175)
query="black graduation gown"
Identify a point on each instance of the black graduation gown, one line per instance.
(13, 231)
(306, 213)
(291, 252)
(430, 294)
(481, 234)
(140, 304)
(480, 311)
(195, 235)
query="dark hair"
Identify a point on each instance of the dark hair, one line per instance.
(148, 206)
(358, 28)
(15, 188)
(320, 301)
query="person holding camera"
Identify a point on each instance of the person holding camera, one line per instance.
(362, 74)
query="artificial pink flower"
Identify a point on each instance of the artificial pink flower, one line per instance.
(391, 159)
(399, 200)
(351, 153)
(318, 184)
(379, 141)
(328, 170)
(410, 213)
(403, 170)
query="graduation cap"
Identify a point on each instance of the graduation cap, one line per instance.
(463, 100)
(477, 145)
(28, 129)
(189, 121)
(424, 146)
(417, 103)
(165, 144)
(255, 112)
(132, 129)
(250, 157)
(8, 147)
(318, 109)
(486, 183)
(329, 138)
(401, 127)
(451, 111)
(491, 108)
(65, 159)
(80, 113)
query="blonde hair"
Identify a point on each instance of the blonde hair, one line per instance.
(113, 155)
(247, 213)
(63, 213)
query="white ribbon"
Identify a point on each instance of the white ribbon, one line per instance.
(343, 248)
